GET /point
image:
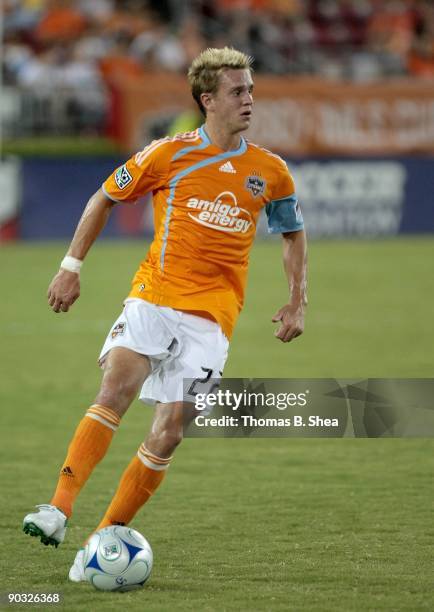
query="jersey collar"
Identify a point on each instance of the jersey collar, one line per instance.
(206, 139)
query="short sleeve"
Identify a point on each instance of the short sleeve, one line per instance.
(146, 171)
(283, 211)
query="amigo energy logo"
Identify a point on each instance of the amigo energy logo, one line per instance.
(222, 214)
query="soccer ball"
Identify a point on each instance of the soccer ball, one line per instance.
(117, 559)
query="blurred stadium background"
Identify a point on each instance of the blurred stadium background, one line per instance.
(345, 93)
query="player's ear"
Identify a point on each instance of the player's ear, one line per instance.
(207, 101)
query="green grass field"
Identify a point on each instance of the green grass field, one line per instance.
(239, 524)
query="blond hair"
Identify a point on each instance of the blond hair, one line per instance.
(205, 70)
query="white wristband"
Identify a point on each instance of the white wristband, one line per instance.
(72, 264)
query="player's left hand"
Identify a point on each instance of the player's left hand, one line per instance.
(291, 320)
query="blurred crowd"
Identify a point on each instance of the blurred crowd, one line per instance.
(83, 45)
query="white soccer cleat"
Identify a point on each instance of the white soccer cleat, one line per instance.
(76, 573)
(49, 524)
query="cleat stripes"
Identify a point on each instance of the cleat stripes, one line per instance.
(35, 532)
(48, 524)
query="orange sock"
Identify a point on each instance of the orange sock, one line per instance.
(88, 446)
(139, 481)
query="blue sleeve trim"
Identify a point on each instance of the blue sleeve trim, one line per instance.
(284, 215)
(107, 195)
(110, 197)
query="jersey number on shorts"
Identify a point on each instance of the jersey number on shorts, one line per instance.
(204, 380)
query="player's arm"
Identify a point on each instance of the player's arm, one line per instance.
(64, 289)
(142, 173)
(284, 217)
(291, 315)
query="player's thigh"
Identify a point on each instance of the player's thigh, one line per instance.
(124, 373)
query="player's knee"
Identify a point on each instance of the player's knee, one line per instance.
(124, 374)
(117, 395)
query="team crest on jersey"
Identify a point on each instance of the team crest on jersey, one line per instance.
(255, 184)
(118, 330)
(123, 177)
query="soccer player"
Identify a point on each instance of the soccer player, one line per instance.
(209, 187)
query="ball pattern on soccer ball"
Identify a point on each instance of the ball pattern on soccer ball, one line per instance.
(117, 558)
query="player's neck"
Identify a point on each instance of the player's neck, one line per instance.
(221, 138)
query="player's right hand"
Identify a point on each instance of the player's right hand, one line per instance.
(64, 289)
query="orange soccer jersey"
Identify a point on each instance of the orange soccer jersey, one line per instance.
(206, 206)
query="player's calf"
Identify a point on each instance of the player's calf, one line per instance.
(167, 428)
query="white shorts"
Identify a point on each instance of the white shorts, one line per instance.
(180, 346)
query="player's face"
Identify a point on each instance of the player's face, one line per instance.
(232, 102)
